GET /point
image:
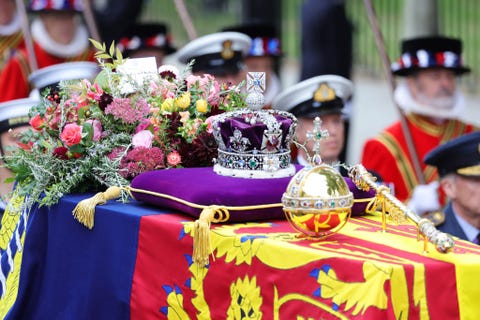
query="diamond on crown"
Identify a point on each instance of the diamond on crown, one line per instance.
(237, 142)
(255, 88)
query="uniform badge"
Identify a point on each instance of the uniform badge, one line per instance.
(227, 50)
(324, 93)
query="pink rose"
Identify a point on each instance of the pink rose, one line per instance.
(143, 138)
(37, 122)
(71, 134)
(97, 129)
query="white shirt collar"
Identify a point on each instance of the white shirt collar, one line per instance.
(470, 231)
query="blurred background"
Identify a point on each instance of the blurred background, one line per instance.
(372, 106)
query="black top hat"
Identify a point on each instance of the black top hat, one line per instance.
(460, 155)
(430, 52)
(147, 36)
(315, 97)
(51, 5)
(265, 41)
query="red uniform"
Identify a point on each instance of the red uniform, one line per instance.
(388, 155)
(14, 82)
(9, 45)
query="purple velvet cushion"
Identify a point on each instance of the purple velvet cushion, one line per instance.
(202, 186)
(359, 206)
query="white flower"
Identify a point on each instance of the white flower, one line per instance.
(143, 138)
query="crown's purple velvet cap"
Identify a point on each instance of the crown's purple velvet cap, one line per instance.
(253, 132)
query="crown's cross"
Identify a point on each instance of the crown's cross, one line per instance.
(255, 88)
(317, 135)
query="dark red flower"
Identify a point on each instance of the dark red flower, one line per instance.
(61, 153)
(105, 100)
(200, 152)
(54, 95)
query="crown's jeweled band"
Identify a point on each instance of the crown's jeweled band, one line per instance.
(256, 165)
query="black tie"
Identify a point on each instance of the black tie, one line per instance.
(476, 240)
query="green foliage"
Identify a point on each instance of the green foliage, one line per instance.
(111, 58)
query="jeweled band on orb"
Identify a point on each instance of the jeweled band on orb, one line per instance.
(295, 204)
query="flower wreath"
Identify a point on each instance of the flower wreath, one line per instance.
(86, 135)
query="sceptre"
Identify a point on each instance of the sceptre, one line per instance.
(365, 181)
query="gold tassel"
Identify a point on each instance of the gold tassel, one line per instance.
(201, 237)
(85, 209)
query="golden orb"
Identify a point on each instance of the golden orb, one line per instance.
(318, 201)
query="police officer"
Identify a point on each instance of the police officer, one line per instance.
(458, 165)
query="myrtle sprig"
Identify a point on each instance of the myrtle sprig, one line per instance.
(111, 58)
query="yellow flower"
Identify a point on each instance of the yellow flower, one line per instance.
(183, 102)
(201, 105)
(168, 105)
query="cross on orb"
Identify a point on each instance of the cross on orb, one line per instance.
(316, 135)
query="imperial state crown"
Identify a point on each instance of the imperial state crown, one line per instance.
(254, 144)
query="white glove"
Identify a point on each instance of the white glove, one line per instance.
(425, 198)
